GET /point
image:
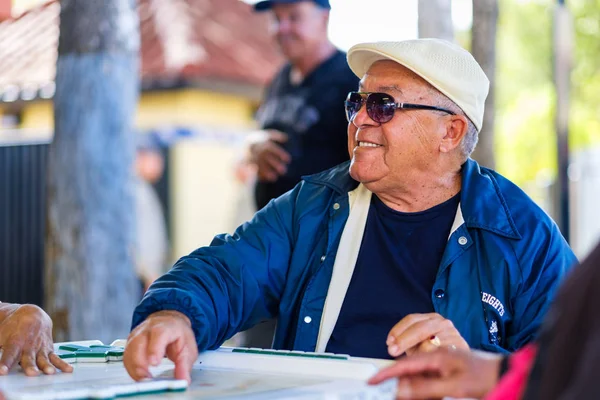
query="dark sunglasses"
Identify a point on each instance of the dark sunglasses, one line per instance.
(381, 106)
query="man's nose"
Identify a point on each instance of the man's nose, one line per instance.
(283, 27)
(362, 118)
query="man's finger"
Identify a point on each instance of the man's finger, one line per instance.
(184, 354)
(401, 326)
(160, 337)
(135, 357)
(277, 136)
(43, 363)
(275, 163)
(28, 363)
(274, 150)
(60, 363)
(266, 173)
(416, 334)
(425, 347)
(425, 363)
(184, 364)
(10, 355)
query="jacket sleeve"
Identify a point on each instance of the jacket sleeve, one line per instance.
(232, 284)
(544, 266)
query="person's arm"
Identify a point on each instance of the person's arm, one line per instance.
(547, 263)
(267, 153)
(460, 374)
(214, 292)
(453, 373)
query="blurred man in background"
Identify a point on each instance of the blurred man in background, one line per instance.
(304, 128)
(302, 114)
(152, 245)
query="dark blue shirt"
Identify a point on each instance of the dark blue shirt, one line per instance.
(394, 275)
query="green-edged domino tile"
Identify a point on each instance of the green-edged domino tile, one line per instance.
(291, 354)
(73, 347)
(115, 354)
(68, 356)
(92, 355)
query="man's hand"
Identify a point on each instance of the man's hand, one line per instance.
(162, 333)
(423, 333)
(434, 375)
(270, 158)
(26, 338)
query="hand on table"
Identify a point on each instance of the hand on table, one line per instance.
(162, 333)
(26, 338)
(423, 333)
(442, 373)
(270, 158)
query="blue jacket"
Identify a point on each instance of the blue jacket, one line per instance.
(497, 277)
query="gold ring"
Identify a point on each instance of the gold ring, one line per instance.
(434, 340)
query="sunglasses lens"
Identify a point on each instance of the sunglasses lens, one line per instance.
(381, 107)
(353, 104)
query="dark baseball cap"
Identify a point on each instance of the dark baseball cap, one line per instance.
(267, 4)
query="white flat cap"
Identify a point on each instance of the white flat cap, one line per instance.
(446, 66)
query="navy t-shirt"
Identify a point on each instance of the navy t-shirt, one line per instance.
(394, 275)
(312, 115)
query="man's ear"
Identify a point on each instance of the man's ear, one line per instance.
(456, 129)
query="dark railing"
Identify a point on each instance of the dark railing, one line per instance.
(22, 219)
(22, 194)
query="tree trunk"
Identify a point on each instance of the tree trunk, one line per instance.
(435, 19)
(483, 46)
(90, 284)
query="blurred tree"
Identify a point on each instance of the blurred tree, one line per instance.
(525, 97)
(483, 47)
(435, 19)
(525, 143)
(90, 285)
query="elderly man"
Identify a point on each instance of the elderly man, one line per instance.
(410, 247)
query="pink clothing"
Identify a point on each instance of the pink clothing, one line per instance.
(513, 383)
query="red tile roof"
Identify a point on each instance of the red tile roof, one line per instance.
(182, 41)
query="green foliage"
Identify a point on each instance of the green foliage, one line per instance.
(525, 102)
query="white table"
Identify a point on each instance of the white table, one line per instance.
(220, 374)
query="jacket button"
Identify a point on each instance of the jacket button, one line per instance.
(462, 240)
(439, 293)
(323, 257)
(336, 206)
(307, 319)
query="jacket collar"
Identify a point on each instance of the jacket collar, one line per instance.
(337, 178)
(482, 203)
